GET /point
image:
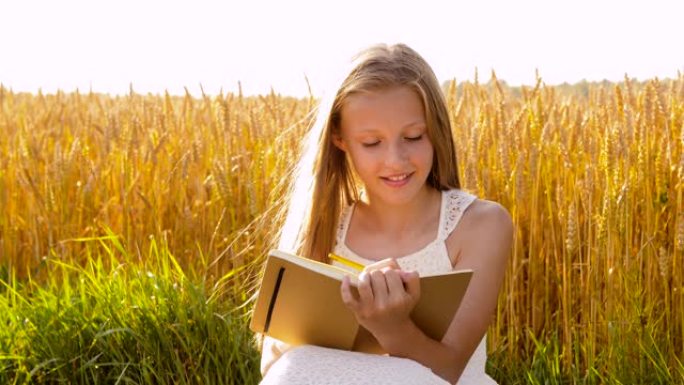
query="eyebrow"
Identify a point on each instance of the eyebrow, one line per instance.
(412, 124)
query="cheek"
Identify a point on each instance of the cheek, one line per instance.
(361, 160)
(424, 153)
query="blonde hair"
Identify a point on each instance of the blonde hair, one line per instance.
(323, 180)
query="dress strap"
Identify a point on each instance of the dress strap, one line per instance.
(343, 226)
(454, 204)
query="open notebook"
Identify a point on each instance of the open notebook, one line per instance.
(299, 302)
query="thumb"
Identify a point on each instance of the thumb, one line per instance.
(412, 283)
(382, 265)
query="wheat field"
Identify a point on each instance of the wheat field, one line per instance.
(591, 174)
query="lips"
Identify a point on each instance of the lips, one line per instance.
(397, 180)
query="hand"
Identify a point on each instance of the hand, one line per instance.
(382, 265)
(387, 295)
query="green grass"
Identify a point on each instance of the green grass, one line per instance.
(119, 321)
(544, 365)
(116, 322)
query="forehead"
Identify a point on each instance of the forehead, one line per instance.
(388, 107)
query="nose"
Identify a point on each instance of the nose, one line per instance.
(396, 154)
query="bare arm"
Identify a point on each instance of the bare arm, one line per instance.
(483, 244)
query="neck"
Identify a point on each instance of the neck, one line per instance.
(405, 218)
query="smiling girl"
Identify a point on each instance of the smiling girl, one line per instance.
(378, 181)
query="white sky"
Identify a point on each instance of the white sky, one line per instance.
(158, 45)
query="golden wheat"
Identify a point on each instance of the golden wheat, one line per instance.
(588, 173)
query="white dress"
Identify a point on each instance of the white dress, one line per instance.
(308, 364)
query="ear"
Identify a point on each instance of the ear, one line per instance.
(338, 142)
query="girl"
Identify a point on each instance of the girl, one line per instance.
(378, 181)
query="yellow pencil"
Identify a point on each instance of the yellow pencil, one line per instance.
(346, 262)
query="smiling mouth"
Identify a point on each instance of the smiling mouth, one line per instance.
(398, 178)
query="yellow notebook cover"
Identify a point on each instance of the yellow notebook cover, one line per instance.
(299, 302)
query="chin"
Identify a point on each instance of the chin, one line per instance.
(399, 196)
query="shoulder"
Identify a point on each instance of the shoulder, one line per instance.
(487, 215)
(485, 228)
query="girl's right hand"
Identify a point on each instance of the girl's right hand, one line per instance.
(387, 295)
(389, 263)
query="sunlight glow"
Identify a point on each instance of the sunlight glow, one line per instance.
(158, 45)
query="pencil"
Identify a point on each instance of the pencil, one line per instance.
(346, 262)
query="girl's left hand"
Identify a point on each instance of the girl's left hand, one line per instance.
(387, 295)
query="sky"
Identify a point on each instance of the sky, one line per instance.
(156, 46)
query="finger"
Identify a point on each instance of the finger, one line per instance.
(379, 284)
(393, 264)
(395, 285)
(411, 281)
(347, 296)
(365, 288)
(388, 262)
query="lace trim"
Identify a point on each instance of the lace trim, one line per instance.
(454, 203)
(457, 202)
(342, 227)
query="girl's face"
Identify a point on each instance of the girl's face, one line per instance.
(384, 133)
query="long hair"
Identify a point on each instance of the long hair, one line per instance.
(323, 181)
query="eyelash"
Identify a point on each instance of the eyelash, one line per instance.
(414, 139)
